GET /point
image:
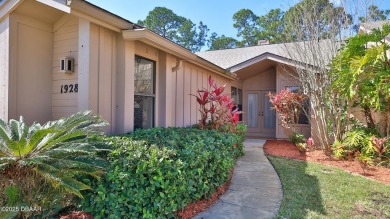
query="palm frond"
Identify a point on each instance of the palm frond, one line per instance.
(58, 179)
(57, 151)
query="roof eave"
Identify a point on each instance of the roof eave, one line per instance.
(155, 40)
(100, 16)
(7, 7)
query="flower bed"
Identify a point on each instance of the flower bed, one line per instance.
(289, 150)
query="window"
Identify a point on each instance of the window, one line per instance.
(144, 93)
(236, 95)
(303, 119)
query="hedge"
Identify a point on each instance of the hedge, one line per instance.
(155, 172)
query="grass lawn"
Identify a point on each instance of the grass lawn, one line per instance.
(313, 190)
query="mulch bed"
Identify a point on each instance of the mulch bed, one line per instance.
(77, 215)
(289, 150)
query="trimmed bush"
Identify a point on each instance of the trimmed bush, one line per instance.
(155, 172)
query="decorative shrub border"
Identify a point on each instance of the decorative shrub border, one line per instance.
(155, 172)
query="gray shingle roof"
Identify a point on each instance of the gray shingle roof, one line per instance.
(227, 58)
(230, 57)
(373, 25)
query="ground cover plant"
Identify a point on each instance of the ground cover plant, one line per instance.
(41, 165)
(312, 190)
(155, 172)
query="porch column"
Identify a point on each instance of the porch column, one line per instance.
(83, 64)
(128, 115)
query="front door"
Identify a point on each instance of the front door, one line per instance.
(261, 119)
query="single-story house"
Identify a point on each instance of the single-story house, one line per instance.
(58, 57)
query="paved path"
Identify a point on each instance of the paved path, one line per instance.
(255, 190)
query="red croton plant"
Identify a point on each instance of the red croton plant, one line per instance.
(288, 105)
(216, 108)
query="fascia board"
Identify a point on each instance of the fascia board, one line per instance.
(55, 5)
(99, 16)
(163, 44)
(268, 56)
(157, 41)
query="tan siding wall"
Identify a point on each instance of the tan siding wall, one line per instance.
(284, 79)
(65, 44)
(31, 67)
(4, 70)
(102, 99)
(190, 78)
(171, 90)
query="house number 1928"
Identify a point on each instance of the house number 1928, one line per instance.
(71, 88)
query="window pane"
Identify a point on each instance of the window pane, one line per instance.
(253, 110)
(269, 114)
(144, 76)
(239, 96)
(143, 112)
(294, 89)
(233, 94)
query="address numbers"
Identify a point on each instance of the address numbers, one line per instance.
(69, 88)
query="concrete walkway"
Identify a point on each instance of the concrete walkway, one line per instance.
(255, 190)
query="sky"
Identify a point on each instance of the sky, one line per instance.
(216, 14)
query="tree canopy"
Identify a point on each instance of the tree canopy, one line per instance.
(221, 42)
(180, 30)
(307, 20)
(374, 14)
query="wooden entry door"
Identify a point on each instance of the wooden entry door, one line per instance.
(261, 119)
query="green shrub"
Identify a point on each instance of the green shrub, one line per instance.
(361, 143)
(155, 172)
(297, 138)
(40, 165)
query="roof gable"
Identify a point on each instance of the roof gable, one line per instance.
(238, 58)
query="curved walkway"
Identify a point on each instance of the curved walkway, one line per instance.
(255, 190)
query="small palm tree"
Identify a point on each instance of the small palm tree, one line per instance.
(57, 153)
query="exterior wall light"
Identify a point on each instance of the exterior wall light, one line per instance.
(67, 65)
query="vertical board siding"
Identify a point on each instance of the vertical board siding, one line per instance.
(194, 88)
(105, 74)
(186, 97)
(180, 97)
(94, 68)
(171, 101)
(200, 86)
(102, 74)
(190, 78)
(65, 43)
(31, 70)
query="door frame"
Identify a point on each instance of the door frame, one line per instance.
(260, 131)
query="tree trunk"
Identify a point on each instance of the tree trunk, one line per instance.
(368, 116)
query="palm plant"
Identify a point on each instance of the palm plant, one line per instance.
(55, 154)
